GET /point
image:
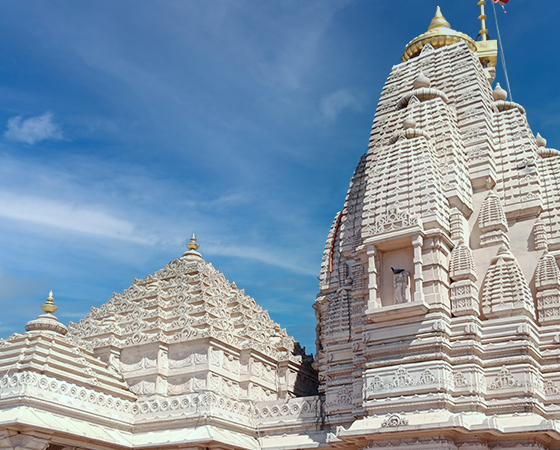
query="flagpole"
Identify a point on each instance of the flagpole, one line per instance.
(502, 51)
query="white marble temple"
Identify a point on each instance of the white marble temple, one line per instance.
(437, 319)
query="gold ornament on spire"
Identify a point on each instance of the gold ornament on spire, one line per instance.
(438, 21)
(483, 31)
(487, 51)
(49, 307)
(192, 245)
(438, 35)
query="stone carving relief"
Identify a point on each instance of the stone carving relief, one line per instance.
(459, 380)
(400, 379)
(50, 388)
(401, 286)
(393, 219)
(504, 380)
(550, 388)
(394, 420)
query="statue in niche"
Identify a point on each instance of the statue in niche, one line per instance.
(401, 283)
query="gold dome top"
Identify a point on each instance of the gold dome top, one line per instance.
(439, 34)
(438, 21)
(193, 245)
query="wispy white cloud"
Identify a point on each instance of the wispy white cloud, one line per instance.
(33, 129)
(83, 219)
(334, 103)
(271, 258)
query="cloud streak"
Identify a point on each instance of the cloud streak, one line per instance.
(83, 219)
(277, 259)
(34, 129)
(336, 102)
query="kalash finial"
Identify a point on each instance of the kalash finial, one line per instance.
(438, 35)
(438, 21)
(192, 245)
(49, 307)
(47, 322)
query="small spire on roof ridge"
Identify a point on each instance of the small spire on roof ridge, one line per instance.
(541, 142)
(49, 307)
(504, 248)
(47, 321)
(499, 93)
(193, 245)
(421, 81)
(438, 21)
(409, 122)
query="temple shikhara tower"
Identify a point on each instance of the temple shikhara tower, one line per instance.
(438, 317)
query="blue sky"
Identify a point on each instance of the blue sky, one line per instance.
(128, 125)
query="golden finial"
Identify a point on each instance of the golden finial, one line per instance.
(483, 31)
(439, 34)
(49, 307)
(438, 21)
(192, 245)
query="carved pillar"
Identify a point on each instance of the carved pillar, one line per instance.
(162, 364)
(372, 254)
(417, 242)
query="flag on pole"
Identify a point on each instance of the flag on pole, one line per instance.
(503, 3)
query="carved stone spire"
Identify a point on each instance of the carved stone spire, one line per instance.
(540, 235)
(547, 283)
(492, 222)
(505, 291)
(462, 271)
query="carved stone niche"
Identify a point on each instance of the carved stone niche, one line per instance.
(395, 281)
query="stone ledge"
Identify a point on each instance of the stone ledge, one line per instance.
(393, 312)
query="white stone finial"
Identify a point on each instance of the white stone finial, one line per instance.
(409, 122)
(499, 93)
(541, 142)
(421, 81)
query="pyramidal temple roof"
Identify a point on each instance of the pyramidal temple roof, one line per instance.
(188, 299)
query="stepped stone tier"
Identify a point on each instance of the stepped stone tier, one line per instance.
(438, 317)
